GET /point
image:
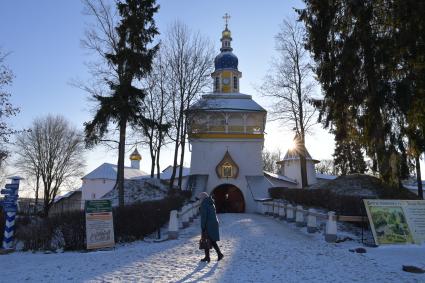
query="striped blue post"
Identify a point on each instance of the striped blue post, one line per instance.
(10, 207)
(8, 230)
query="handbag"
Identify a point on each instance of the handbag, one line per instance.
(205, 242)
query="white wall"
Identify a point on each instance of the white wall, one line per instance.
(292, 169)
(206, 154)
(95, 188)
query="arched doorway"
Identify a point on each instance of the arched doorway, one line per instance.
(228, 198)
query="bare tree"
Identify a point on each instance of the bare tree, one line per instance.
(54, 150)
(290, 83)
(7, 110)
(269, 160)
(155, 105)
(190, 59)
(326, 166)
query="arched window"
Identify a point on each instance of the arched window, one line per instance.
(235, 82)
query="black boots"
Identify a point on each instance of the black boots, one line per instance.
(220, 256)
(206, 259)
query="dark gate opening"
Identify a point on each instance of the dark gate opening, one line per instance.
(228, 198)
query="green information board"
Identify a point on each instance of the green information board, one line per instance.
(96, 206)
(396, 221)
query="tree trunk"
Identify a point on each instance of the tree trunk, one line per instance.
(418, 177)
(303, 163)
(183, 144)
(121, 155)
(158, 170)
(153, 158)
(37, 188)
(176, 151)
(46, 199)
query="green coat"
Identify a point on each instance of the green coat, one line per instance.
(209, 221)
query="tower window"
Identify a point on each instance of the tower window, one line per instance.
(217, 83)
(235, 82)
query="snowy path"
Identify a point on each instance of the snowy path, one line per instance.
(256, 248)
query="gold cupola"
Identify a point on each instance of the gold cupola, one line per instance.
(135, 159)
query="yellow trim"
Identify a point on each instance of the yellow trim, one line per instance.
(135, 157)
(226, 136)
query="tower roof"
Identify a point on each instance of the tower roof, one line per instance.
(294, 154)
(226, 59)
(237, 102)
(135, 155)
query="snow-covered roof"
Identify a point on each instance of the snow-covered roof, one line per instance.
(67, 195)
(227, 102)
(109, 171)
(259, 186)
(293, 154)
(326, 176)
(167, 172)
(280, 177)
(140, 190)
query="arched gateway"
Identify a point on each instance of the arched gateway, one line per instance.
(228, 198)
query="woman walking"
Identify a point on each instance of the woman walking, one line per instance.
(209, 225)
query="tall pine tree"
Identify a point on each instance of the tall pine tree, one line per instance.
(130, 58)
(363, 56)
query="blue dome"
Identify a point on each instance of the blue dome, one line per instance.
(226, 60)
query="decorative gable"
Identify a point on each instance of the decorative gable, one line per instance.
(227, 168)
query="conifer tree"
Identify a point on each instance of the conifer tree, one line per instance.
(129, 56)
(370, 65)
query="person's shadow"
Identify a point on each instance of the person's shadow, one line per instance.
(201, 265)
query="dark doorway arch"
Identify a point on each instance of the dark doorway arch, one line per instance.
(228, 198)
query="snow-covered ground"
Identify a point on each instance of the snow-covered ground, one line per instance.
(256, 248)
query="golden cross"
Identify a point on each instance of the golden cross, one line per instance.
(226, 17)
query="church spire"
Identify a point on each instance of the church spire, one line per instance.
(226, 36)
(226, 75)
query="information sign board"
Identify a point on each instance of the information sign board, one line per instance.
(396, 221)
(99, 224)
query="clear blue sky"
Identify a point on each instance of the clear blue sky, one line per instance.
(44, 38)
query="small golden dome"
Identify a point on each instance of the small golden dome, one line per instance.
(226, 33)
(135, 155)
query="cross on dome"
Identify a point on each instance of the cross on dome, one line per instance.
(226, 17)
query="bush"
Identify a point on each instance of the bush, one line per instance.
(323, 198)
(327, 199)
(71, 227)
(135, 221)
(68, 230)
(34, 233)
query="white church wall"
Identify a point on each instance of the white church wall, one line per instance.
(95, 188)
(292, 169)
(246, 154)
(311, 173)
